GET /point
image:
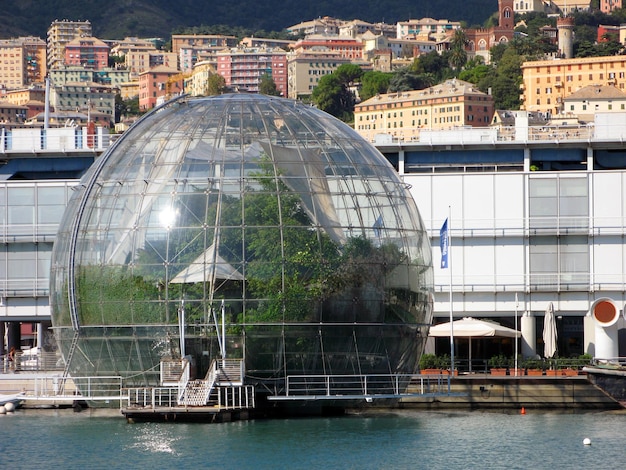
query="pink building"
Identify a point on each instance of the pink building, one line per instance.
(607, 6)
(243, 68)
(89, 52)
(158, 82)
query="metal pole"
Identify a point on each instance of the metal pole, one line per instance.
(451, 309)
(516, 338)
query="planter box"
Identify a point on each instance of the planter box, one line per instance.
(520, 372)
(447, 372)
(534, 372)
(570, 372)
(554, 372)
(497, 371)
(431, 372)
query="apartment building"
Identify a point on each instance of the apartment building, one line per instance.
(22, 62)
(106, 76)
(196, 84)
(157, 83)
(325, 25)
(568, 7)
(592, 99)
(547, 83)
(522, 7)
(347, 48)
(607, 6)
(88, 52)
(403, 115)
(242, 68)
(202, 41)
(139, 61)
(32, 98)
(60, 33)
(96, 101)
(426, 27)
(306, 68)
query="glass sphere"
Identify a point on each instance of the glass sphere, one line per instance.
(255, 219)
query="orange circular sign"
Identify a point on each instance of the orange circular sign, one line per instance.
(605, 312)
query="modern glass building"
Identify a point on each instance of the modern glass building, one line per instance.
(241, 226)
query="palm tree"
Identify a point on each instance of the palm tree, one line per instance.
(458, 54)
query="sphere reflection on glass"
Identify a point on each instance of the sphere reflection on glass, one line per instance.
(269, 212)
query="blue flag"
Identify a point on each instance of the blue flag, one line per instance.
(444, 244)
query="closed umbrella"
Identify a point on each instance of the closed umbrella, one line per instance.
(469, 327)
(549, 332)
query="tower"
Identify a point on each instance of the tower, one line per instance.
(565, 27)
(505, 14)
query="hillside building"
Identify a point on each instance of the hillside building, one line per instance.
(426, 28)
(106, 76)
(60, 33)
(347, 48)
(22, 62)
(607, 6)
(306, 68)
(139, 61)
(592, 99)
(546, 83)
(88, 52)
(404, 115)
(157, 83)
(243, 68)
(481, 40)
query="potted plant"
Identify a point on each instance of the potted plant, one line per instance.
(429, 364)
(445, 365)
(533, 366)
(499, 364)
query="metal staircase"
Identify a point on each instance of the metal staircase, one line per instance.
(222, 372)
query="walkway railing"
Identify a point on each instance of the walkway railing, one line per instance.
(371, 385)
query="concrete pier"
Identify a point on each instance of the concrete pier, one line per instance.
(482, 391)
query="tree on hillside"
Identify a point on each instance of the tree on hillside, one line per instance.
(458, 55)
(267, 86)
(333, 92)
(215, 85)
(405, 80)
(504, 80)
(374, 83)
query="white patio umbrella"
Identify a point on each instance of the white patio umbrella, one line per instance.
(549, 332)
(469, 327)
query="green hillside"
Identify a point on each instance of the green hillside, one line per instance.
(157, 18)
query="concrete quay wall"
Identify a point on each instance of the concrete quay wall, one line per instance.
(486, 392)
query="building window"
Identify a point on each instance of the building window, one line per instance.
(558, 203)
(559, 262)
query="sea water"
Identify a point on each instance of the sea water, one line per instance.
(62, 439)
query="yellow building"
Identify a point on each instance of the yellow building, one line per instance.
(305, 68)
(402, 115)
(546, 83)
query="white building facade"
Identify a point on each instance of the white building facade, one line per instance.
(531, 223)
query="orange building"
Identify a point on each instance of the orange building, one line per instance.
(546, 83)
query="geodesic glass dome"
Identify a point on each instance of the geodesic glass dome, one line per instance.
(254, 219)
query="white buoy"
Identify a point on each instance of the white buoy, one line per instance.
(3, 410)
(587, 441)
(9, 406)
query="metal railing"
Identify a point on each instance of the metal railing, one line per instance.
(347, 385)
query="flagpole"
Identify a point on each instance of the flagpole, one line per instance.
(451, 310)
(516, 307)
